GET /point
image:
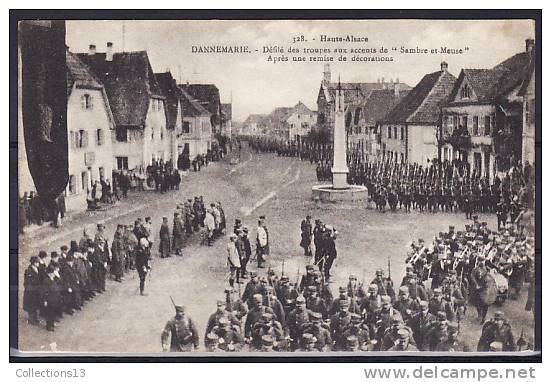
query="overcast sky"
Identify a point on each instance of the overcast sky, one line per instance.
(257, 86)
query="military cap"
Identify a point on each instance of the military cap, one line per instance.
(496, 346)
(451, 228)
(309, 267)
(317, 221)
(396, 319)
(34, 259)
(223, 321)
(352, 340)
(475, 217)
(228, 289)
(54, 255)
(284, 279)
(253, 273)
(385, 299)
(379, 272)
(355, 317)
(342, 289)
(423, 304)
(179, 308)
(70, 257)
(308, 338)
(409, 267)
(499, 315)
(257, 297)
(316, 316)
(308, 217)
(245, 229)
(100, 225)
(269, 288)
(211, 338)
(64, 248)
(437, 291)
(312, 288)
(453, 327)
(343, 302)
(403, 334)
(237, 221)
(352, 277)
(441, 316)
(220, 303)
(453, 272)
(300, 300)
(262, 217)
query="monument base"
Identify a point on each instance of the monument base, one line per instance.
(328, 194)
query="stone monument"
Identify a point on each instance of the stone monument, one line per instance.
(340, 190)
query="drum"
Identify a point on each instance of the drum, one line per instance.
(502, 283)
(488, 294)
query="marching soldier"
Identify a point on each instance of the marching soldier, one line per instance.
(221, 312)
(255, 314)
(308, 343)
(497, 330)
(437, 333)
(229, 336)
(142, 263)
(404, 342)
(339, 322)
(357, 330)
(182, 331)
(298, 321)
(405, 304)
(234, 305)
(306, 235)
(438, 304)
(319, 330)
(451, 344)
(384, 285)
(421, 322)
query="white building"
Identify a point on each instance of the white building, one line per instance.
(196, 136)
(300, 122)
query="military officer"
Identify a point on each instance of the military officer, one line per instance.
(452, 344)
(182, 331)
(497, 330)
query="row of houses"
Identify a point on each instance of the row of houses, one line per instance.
(485, 117)
(123, 116)
(288, 124)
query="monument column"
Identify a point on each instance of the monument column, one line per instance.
(339, 169)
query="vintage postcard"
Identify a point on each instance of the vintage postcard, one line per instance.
(349, 187)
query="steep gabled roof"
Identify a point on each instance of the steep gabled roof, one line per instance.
(207, 95)
(355, 90)
(79, 73)
(379, 103)
(168, 86)
(529, 73)
(190, 106)
(226, 111)
(129, 82)
(422, 103)
(255, 118)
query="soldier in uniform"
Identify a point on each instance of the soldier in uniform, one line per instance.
(255, 314)
(118, 254)
(286, 294)
(319, 330)
(229, 336)
(405, 304)
(496, 330)
(391, 334)
(403, 343)
(437, 333)
(339, 322)
(253, 287)
(356, 329)
(314, 303)
(164, 243)
(384, 285)
(247, 251)
(262, 245)
(479, 287)
(234, 305)
(271, 301)
(452, 344)
(142, 263)
(308, 343)
(182, 331)
(267, 325)
(438, 304)
(306, 235)
(298, 320)
(221, 311)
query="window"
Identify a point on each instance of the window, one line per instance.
(99, 137)
(84, 180)
(348, 119)
(401, 157)
(72, 185)
(72, 140)
(357, 116)
(81, 139)
(86, 101)
(101, 171)
(186, 127)
(487, 129)
(395, 132)
(122, 163)
(402, 133)
(475, 125)
(466, 92)
(464, 123)
(390, 132)
(122, 134)
(152, 133)
(455, 122)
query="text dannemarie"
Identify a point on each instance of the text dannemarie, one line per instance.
(224, 49)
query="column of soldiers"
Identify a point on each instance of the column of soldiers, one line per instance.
(304, 149)
(272, 313)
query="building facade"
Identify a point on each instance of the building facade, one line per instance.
(300, 122)
(197, 130)
(409, 131)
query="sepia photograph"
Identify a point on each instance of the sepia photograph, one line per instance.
(211, 187)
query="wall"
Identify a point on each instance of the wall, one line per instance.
(395, 144)
(93, 157)
(156, 138)
(422, 144)
(529, 123)
(199, 137)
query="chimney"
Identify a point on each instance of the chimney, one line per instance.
(444, 66)
(396, 90)
(109, 52)
(529, 45)
(91, 50)
(326, 74)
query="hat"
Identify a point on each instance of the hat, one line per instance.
(352, 340)
(144, 242)
(257, 297)
(499, 315)
(343, 302)
(403, 290)
(179, 308)
(64, 248)
(316, 316)
(300, 300)
(220, 303)
(267, 340)
(496, 346)
(355, 317)
(379, 272)
(34, 259)
(403, 334)
(245, 229)
(396, 319)
(352, 277)
(262, 217)
(228, 289)
(437, 291)
(385, 299)
(42, 254)
(423, 304)
(284, 279)
(342, 289)
(309, 267)
(373, 288)
(441, 316)
(312, 288)
(253, 273)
